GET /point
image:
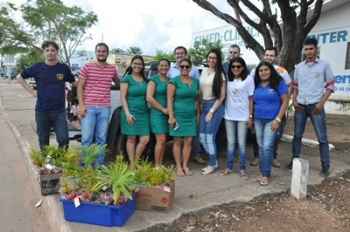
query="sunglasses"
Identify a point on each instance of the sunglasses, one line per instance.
(185, 66)
(234, 66)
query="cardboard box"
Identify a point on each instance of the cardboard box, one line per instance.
(155, 198)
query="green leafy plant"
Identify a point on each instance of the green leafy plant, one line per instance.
(147, 174)
(90, 153)
(113, 184)
(54, 156)
(117, 177)
(36, 156)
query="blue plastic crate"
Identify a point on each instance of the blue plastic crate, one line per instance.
(98, 214)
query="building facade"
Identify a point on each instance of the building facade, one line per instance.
(333, 33)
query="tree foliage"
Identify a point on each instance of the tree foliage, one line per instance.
(28, 58)
(285, 29)
(200, 49)
(13, 38)
(46, 20)
(134, 50)
(117, 50)
(162, 54)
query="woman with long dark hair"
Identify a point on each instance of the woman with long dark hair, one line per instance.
(238, 113)
(270, 102)
(212, 92)
(134, 115)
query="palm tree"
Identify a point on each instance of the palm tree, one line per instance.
(117, 50)
(134, 50)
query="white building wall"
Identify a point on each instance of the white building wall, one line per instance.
(333, 33)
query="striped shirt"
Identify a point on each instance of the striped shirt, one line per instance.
(97, 83)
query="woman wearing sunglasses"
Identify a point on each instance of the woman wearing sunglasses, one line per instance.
(182, 92)
(238, 113)
(212, 91)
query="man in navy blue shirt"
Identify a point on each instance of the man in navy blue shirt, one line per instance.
(50, 77)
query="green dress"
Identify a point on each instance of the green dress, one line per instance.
(136, 99)
(159, 120)
(184, 107)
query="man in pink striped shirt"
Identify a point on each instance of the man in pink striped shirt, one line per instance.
(94, 97)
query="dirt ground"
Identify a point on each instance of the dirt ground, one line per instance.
(326, 208)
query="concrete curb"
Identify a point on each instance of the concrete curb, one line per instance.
(307, 142)
(54, 214)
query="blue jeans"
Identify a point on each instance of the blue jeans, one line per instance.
(94, 127)
(319, 123)
(266, 139)
(255, 146)
(207, 131)
(58, 121)
(236, 132)
(196, 146)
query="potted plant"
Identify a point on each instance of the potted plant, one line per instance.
(156, 186)
(49, 162)
(98, 196)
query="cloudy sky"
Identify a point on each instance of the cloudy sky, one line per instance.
(150, 25)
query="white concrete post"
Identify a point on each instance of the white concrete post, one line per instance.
(299, 178)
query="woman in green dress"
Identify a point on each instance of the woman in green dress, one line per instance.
(134, 115)
(156, 96)
(182, 93)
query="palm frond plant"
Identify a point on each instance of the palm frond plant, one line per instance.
(147, 174)
(117, 178)
(90, 153)
(37, 156)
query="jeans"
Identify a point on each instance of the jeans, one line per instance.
(196, 146)
(94, 127)
(58, 121)
(266, 139)
(208, 131)
(236, 132)
(255, 146)
(319, 123)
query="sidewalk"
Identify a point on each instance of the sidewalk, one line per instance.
(194, 192)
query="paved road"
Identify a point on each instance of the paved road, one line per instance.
(17, 192)
(192, 193)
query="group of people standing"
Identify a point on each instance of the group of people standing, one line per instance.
(180, 104)
(189, 106)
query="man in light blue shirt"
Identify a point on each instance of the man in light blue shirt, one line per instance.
(312, 86)
(174, 71)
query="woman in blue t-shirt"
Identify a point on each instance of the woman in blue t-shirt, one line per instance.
(270, 102)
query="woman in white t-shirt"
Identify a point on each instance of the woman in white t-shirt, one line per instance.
(212, 88)
(238, 113)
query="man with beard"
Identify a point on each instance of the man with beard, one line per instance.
(94, 98)
(50, 77)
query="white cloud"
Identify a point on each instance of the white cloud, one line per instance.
(150, 25)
